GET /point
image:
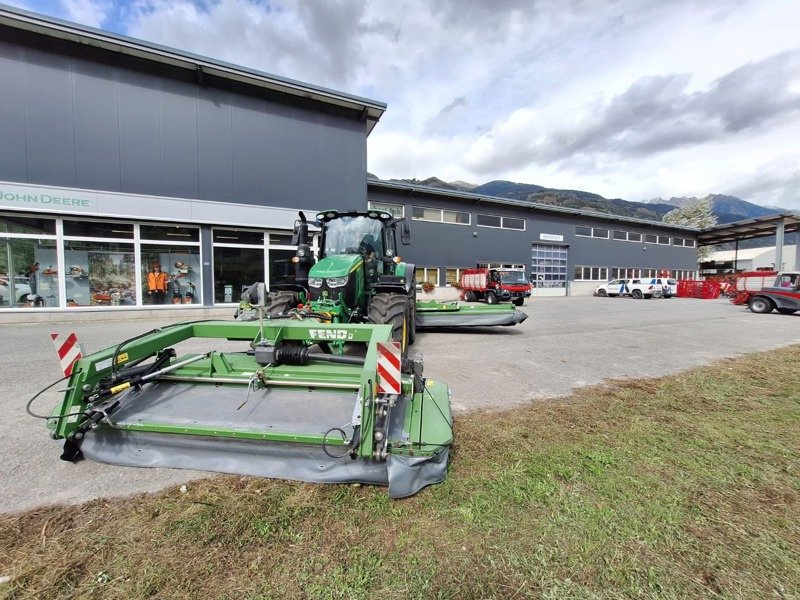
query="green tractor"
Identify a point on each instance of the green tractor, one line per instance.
(359, 277)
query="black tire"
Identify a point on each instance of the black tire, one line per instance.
(469, 296)
(392, 309)
(491, 298)
(280, 303)
(787, 311)
(518, 301)
(637, 294)
(602, 293)
(760, 305)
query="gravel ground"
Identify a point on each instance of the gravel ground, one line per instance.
(565, 344)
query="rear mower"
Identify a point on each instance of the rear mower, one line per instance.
(280, 407)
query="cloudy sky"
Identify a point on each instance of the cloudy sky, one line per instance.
(626, 98)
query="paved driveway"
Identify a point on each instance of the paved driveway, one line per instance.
(566, 343)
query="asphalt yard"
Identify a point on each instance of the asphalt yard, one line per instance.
(565, 344)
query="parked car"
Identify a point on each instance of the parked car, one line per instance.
(613, 288)
(669, 286)
(644, 288)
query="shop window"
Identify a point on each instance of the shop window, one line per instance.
(500, 222)
(420, 213)
(169, 233)
(236, 269)
(429, 274)
(99, 273)
(28, 273)
(280, 239)
(97, 229)
(396, 210)
(27, 225)
(452, 276)
(596, 232)
(281, 267)
(170, 274)
(238, 236)
(591, 273)
(627, 236)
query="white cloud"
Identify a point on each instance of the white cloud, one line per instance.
(627, 98)
(87, 12)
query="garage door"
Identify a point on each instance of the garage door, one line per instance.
(549, 269)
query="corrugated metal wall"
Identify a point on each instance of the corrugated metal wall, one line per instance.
(91, 123)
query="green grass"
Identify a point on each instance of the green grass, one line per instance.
(687, 486)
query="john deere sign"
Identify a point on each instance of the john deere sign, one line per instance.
(42, 199)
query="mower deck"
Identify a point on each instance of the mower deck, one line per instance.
(455, 314)
(319, 421)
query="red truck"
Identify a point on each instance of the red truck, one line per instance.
(494, 285)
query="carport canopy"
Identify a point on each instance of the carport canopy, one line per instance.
(748, 229)
(779, 224)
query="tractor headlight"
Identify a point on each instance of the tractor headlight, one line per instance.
(315, 282)
(334, 282)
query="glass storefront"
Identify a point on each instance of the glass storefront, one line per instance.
(99, 273)
(236, 269)
(67, 263)
(28, 273)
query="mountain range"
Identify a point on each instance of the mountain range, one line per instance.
(726, 208)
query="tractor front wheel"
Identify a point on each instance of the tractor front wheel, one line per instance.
(518, 301)
(760, 305)
(392, 309)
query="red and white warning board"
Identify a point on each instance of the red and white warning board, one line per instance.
(68, 350)
(389, 368)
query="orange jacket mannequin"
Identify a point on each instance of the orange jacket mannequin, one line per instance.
(157, 281)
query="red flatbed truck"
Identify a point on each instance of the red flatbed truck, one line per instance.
(494, 285)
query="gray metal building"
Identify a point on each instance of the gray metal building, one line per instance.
(136, 175)
(562, 250)
(119, 154)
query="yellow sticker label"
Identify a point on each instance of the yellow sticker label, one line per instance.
(122, 357)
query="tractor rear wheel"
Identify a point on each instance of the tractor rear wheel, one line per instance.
(392, 309)
(787, 311)
(491, 298)
(760, 305)
(281, 302)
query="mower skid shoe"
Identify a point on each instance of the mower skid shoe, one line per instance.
(72, 452)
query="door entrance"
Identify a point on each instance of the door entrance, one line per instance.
(549, 269)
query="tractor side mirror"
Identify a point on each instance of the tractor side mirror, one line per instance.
(405, 233)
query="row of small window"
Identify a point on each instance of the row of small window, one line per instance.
(109, 230)
(601, 273)
(631, 236)
(431, 275)
(456, 217)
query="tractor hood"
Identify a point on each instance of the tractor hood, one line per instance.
(336, 266)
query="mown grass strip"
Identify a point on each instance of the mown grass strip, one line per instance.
(687, 486)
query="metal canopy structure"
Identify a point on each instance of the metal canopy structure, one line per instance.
(778, 224)
(748, 229)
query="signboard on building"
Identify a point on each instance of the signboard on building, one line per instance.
(551, 237)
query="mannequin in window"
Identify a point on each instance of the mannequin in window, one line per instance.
(156, 284)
